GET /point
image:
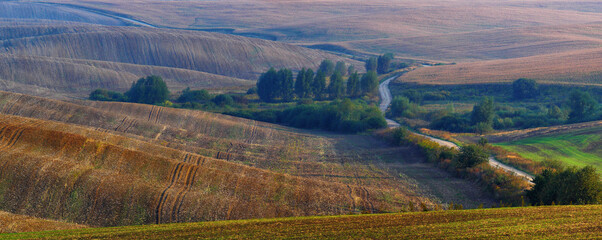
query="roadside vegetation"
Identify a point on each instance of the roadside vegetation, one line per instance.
(468, 162)
(499, 223)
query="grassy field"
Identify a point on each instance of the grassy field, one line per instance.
(555, 222)
(578, 148)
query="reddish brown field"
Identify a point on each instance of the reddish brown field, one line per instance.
(580, 67)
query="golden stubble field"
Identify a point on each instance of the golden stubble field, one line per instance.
(112, 164)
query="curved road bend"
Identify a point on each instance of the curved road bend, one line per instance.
(386, 98)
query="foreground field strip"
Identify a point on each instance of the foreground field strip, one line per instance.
(557, 222)
(385, 94)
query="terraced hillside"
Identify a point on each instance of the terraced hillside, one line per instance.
(582, 222)
(72, 60)
(108, 164)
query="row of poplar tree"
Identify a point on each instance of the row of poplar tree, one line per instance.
(280, 84)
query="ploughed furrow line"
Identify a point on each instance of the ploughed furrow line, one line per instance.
(150, 114)
(352, 205)
(193, 159)
(364, 194)
(9, 106)
(189, 177)
(174, 177)
(121, 123)
(222, 155)
(10, 141)
(130, 125)
(159, 111)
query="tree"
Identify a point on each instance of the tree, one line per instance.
(353, 85)
(384, 63)
(371, 64)
(399, 106)
(582, 105)
(568, 186)
(369, 83)
(319, 85)
(327, 67)
(341, 68)
(524, 88)
(555, 112)
(470, 156)
(266, 85)
(286, 83)
(301, 87)
(149, 90)
(482, 113)
(350, 70)
(336, 89)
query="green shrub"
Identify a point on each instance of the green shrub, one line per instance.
(223, 100)
(106, 95)
(470, 156)
(194, 96)
(569, 186)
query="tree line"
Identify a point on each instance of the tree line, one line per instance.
(280, 84)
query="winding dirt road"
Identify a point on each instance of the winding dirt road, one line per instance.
(386, 98)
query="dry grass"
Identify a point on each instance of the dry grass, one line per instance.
(13, 223)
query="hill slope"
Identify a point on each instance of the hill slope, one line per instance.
(529, 223)
(72, 60)
(183, 165)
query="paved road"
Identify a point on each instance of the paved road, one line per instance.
(386, 98)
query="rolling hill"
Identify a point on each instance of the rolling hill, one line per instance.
(528, 223)
(66, 60)
(112, 164)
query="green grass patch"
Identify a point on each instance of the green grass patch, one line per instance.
(580, 148)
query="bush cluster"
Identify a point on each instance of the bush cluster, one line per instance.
(341, 116)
